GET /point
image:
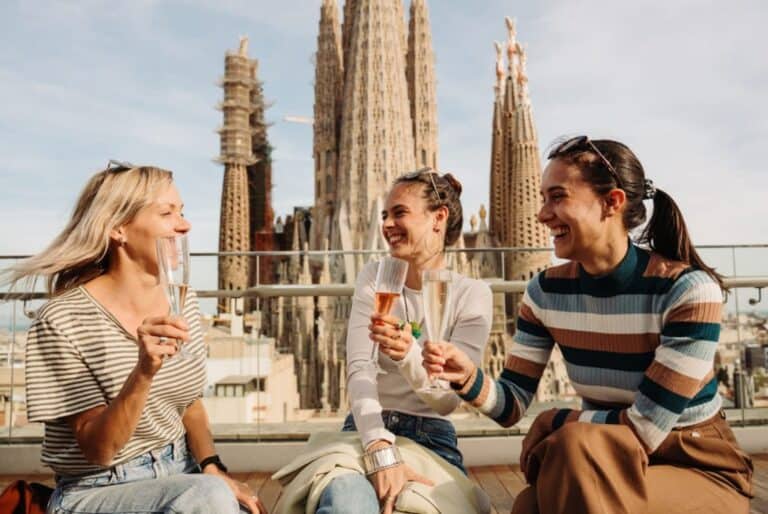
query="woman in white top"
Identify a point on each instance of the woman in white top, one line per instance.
(422, 216)
(125, 426)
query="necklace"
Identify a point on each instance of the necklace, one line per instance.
(415, 325)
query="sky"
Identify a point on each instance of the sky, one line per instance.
(682, 82)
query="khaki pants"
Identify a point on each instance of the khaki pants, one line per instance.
(592, 468)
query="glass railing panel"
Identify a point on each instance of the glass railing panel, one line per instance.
(263, 385)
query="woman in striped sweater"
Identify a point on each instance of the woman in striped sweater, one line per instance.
(638, 329)
(125, 426)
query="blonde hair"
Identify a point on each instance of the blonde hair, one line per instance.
(110, 199)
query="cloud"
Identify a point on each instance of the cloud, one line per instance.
(682, 83)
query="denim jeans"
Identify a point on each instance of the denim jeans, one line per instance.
(436, 434)
(165, 480)
(354, 494)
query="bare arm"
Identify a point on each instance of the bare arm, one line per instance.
(198, 428)
(200, 442)
(102, 431)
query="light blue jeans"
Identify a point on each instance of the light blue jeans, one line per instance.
(354, 494)
(160, 481)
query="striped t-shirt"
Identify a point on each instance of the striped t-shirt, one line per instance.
(79, 356)
(638, 344)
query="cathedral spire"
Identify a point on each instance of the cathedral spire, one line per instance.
(420, 72)
(525, 128)
(376, 132)
(236, 154)
(511, 95)
(523, 179)
(350, 11)
(497, 201)
(329, 83)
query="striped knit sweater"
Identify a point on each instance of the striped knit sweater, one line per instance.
(638, 345)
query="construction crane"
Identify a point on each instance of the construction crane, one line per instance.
(299, 119)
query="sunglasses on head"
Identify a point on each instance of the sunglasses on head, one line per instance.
(580, 142)
(118, 166)
(413, 175)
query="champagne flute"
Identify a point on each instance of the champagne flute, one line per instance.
(390, 280)
(436, 297)
(173, 264)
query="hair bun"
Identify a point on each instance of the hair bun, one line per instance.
(454, 183)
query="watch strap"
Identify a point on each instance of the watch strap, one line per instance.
(215, 460)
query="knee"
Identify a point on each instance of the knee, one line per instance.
(212, 494)
(526, 503)
(350, 493)
(571, 441)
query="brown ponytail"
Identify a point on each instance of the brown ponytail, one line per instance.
(666, 233)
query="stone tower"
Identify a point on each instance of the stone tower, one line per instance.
(375, 114)
(497, 200)
(521, 173)
(420, 73)
(236, 154)
(329, 83)
(350, 10)
(376, 131)
(262, 216)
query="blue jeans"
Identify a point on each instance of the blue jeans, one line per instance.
(165, 480)
(354, 494)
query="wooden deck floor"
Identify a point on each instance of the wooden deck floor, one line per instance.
(502, 483)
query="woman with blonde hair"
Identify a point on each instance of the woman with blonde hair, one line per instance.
(125, 426)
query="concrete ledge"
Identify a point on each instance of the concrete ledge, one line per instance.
(248, 456)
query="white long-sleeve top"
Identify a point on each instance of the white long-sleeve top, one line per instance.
(369, 393)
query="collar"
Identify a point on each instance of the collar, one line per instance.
(614, 282)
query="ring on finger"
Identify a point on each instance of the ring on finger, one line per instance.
(162, 340)
(401, 325)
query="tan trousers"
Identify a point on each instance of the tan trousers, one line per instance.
(592, 468)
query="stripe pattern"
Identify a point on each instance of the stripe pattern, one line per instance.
(78, 357)
(638, 345)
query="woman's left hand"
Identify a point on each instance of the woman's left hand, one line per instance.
(393, 336)
(540, 429)
(244, 494)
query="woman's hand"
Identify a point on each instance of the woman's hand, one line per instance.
(243, 492)
(390, 482)
(157, 340)
(540, 429)
(445, 361)
(393, 336)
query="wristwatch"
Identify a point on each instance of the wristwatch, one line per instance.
(215, 460)
(382, 458)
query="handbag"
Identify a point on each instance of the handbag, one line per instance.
(21, 497)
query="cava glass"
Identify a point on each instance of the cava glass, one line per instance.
(173, 264)
(390, 280)
(436, 297)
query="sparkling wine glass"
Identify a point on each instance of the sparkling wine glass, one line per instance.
(173, 263)
(436, 297)
(390, 280)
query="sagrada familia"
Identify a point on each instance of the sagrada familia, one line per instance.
(375, 117)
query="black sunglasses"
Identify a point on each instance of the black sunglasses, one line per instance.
(569, 145)
(413, 175)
